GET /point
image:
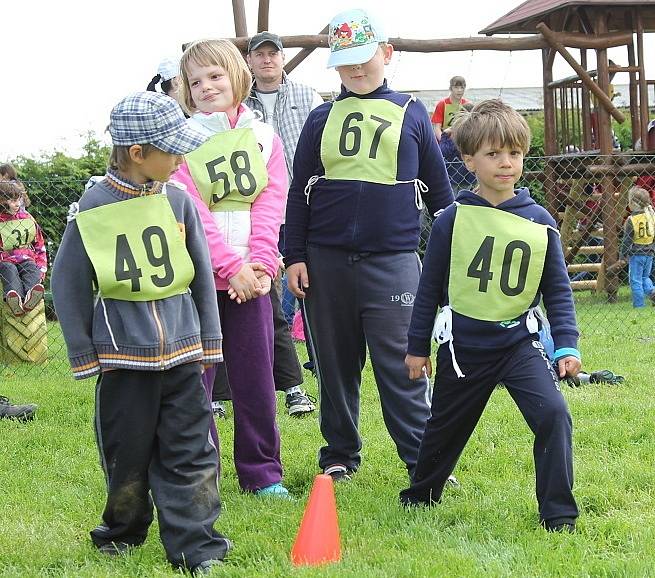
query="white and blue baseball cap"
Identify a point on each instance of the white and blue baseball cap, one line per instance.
(353, 37)
(156, 119)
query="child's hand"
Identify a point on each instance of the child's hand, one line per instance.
(569, 366)
(245, 284)
(418, 366)
(298, 279)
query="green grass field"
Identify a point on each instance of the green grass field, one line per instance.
(53, 488)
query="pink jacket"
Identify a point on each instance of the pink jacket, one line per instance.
(35, 252)
(266, 216)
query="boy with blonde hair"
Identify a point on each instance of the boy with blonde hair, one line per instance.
(491, 257)
(134, 293)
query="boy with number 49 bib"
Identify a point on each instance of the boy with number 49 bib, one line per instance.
(134, 292)
(491, 257)
(364, 166)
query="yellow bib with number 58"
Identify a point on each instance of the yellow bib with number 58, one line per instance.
(497, 260)
(136, 249)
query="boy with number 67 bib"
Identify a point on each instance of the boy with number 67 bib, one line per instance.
(491, 257)
(134, 292)
(364, 166)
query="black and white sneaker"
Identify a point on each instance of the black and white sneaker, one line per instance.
(9, 410)
(218, 409)
(299, 403)
(339, 473)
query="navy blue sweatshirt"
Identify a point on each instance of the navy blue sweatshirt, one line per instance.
(476, 340)
(361, 216)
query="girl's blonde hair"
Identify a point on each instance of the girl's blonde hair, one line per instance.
(218, 52)
(490, 122)
(639, 200)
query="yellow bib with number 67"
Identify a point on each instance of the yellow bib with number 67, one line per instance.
(360, 140)
(136, 249)
(497, 260)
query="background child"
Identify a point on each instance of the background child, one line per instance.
(491, 257)
(167, 77)
(147, 331)
(238, 182)
(363, 167)
(638, 246)
(447, 108)
(23, 261)
(8, 173)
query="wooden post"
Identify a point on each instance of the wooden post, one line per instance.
(304, 53)
(240, 24)
(608, 182)
(262, 16)
(586, 107)
(635, 118)
(602, 97)
(643, 86)
(550, 181)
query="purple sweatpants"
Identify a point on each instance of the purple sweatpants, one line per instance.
(248, 353)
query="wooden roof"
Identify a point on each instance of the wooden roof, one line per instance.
(524, 18)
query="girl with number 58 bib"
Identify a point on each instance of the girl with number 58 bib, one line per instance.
(238, 180)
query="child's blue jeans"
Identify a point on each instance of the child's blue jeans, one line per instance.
(641, 284)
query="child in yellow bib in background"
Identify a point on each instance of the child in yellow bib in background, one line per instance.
(638, 246)
(491, 257)
(133, 290)
(23, 260)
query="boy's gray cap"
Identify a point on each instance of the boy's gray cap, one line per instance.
(258, 39)
(156, 119)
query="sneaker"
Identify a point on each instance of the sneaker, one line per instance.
(299, 403)
(606, 376)
(652, 298)
(15, 303)
(453, 481)
(274, 491)
(206, 567)
(218, 408)
(339, 473)
(565, 525)
(33, 296)
(114, 548)
(11, 411)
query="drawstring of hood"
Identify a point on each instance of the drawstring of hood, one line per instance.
(443, 333)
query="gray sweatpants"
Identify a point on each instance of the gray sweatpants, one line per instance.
(355, 301)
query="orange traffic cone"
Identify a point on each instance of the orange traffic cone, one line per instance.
(318, 541)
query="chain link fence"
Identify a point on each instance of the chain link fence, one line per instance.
(587, 192)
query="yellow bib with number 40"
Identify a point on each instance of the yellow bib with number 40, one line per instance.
(497, 260)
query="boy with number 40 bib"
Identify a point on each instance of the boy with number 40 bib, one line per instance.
(133, 289)
(363, 168)
(491, 257)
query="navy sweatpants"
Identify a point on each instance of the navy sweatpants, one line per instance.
(357, 301)
(458, 403)
(152, 432)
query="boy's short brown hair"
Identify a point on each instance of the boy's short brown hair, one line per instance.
(490, 122)
(457, 81)
(120, 160)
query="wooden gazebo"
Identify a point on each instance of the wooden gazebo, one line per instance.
(578, 111)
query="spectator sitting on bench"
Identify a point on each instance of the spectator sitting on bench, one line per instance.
(23, 259)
